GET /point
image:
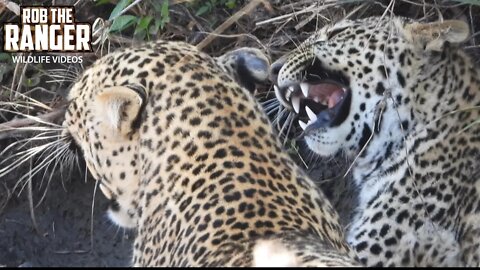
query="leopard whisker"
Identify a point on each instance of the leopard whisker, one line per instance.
(29, 117)
(28, 154)
(59, 161)
(286, 123)
(45, 163)
(290, 125)
(269, 101)
(42, 136)
(270, 108)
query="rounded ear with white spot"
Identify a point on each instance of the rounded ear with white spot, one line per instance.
(120, 108)
(434, 36)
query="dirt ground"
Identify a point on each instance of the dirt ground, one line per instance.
(64, 236)
(64, 230)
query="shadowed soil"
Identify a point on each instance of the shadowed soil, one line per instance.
(64, 224)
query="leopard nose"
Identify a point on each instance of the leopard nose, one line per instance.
(275, 69)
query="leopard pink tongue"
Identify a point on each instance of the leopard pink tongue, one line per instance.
(335, 98)
(332, 92)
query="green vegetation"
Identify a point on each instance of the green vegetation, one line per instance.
(144, 26)
(157, 15)
(205, 7)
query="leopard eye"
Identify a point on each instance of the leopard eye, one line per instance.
(335, 32)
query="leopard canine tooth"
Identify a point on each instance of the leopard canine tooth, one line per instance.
(311, 114)
(106, 192)
(302, 124)
(304, 87)
(276, 89)
(296, 103)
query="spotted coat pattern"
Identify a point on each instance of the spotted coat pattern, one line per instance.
(413, 98)
(190, 161)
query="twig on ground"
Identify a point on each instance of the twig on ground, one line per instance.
(11, 128)
(13, 7)
(235, 17)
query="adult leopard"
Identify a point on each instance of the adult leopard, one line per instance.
(189, 159)
(400, 97)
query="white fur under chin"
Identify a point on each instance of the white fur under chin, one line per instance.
(324, 150)
(271, 253)
(121, 219)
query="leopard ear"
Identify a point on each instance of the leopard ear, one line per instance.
(120, 108)
(434, 36)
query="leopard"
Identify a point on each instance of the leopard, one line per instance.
(400, 98)
(190, 162)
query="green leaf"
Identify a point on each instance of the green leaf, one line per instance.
(155, 27)
(165, 14)
(140, 34)
(231, 4)
(119, 8)
(5, 57)
(102, 2)
(122, 22)
(202, 10)
(144, 22)
(158, 6)
(31, 81)
(142, 27)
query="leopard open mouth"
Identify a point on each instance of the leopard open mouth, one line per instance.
(321, 99)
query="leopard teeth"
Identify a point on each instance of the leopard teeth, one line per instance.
(311, 114)
(277, 90)
(304, 87)
(296, 103)
(106, 191)
(302, 124)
